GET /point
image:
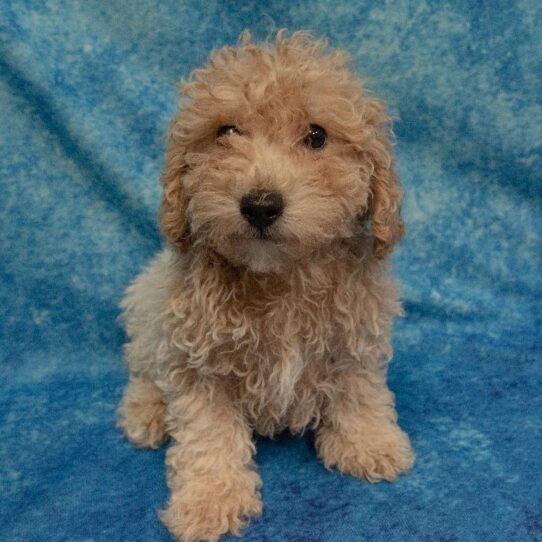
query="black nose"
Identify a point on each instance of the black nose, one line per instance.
(261, 208)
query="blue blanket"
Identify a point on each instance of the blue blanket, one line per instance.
(86, 90)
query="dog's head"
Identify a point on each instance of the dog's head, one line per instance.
(276, 153)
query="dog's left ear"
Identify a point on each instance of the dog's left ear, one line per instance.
(173, 208)
(384, 210)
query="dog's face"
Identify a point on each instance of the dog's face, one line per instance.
(276, 154)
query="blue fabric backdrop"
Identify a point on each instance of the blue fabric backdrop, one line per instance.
(86, 90)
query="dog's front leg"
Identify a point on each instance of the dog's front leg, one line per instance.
(359, 432)
(213, 480)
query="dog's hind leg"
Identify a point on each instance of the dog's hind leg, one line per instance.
(141, 413)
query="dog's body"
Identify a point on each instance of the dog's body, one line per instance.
(272, 309)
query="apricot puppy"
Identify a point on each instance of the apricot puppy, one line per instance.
(271, 307)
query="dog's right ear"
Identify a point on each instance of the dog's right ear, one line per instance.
(173, 208)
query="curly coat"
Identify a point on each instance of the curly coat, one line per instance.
(232, 333)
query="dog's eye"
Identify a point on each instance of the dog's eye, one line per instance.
(227, 130)
(316, 138)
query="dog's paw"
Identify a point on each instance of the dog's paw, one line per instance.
(381, 454)
(141, 415)
(205, 510)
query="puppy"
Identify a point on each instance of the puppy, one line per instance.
(271, 307)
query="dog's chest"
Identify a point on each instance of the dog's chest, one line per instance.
(282, 362)
(279, 346)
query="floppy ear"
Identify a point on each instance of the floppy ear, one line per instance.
(173, 208)
(385, 208)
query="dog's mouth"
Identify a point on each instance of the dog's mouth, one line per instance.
(265, 236)
(259, 235)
